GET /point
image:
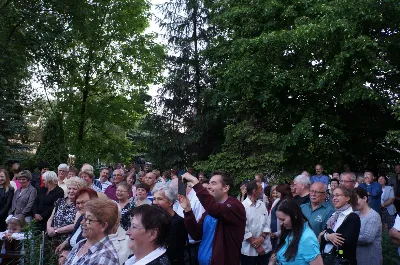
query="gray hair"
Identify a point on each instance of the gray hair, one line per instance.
(63, 166)
(303, 179)
(170, 193)
(87, 167)
(76, 181)
(50, 176)
(353, 176)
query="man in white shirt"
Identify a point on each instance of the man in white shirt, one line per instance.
(104, 176)
(394, 233)
(256, 246)
(191, 250)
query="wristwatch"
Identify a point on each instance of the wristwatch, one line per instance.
(55, 231)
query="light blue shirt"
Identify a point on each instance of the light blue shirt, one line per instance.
(205, 248)
(323, 178)
(308, 248)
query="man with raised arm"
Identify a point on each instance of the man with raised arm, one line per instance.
(221, 228)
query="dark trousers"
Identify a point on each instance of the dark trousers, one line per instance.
(191, 252)
(257, 260)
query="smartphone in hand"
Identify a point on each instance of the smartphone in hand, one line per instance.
(181, 186)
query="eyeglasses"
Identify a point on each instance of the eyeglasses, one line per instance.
(315, 191)
(122, 191)
(346, 181)
(88, 220)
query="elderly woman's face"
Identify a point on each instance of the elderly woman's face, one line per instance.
(24, 182)
(137, 235)
(72, 189)
(91, 227)
(81, 201)
(161, 201)
(70, 174)
(122, 193)
(141, 194)
(86, 178)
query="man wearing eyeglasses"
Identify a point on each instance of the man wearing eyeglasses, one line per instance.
(348, 180)
(317, 210)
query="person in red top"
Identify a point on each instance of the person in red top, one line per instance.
(221, 228)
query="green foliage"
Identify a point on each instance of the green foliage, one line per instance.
(52, 147)
(317, 76)
(183, 126)
(251, 150)
(389, 250)
(38, 249)
(96, 62)
(16, 45)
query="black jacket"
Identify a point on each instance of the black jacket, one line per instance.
(350, 229)
(5, 205)
(44, 204)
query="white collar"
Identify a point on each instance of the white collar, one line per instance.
(248, 202)
(347, 212)
(148, 258)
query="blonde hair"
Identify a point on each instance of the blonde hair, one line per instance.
(76, 181)
(106, 211)
(7, 185)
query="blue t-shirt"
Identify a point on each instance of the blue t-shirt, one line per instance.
(308, 249)
(205, 248)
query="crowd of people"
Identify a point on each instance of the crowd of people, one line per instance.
(130, 217)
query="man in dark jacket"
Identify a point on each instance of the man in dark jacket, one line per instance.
(37, 179)
(221, 228)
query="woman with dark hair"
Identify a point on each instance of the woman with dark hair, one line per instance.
(283, 192)
(342, 229)
(142, 190)
(387, 207)
(298, 243)
(369, 247)
(243, 194)
(6, 197)
(148, 235)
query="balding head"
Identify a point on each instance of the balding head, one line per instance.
(150, 179)
(317, 193)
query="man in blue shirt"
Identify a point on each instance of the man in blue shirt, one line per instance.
(317, 210)
(374, 191)
(319, 177)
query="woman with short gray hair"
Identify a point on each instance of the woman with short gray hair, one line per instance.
(46, 198)
(24, 197)
(165, 197)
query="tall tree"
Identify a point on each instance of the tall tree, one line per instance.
(52, 148)
(186, 124)
(98, 63)
(17, 44)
